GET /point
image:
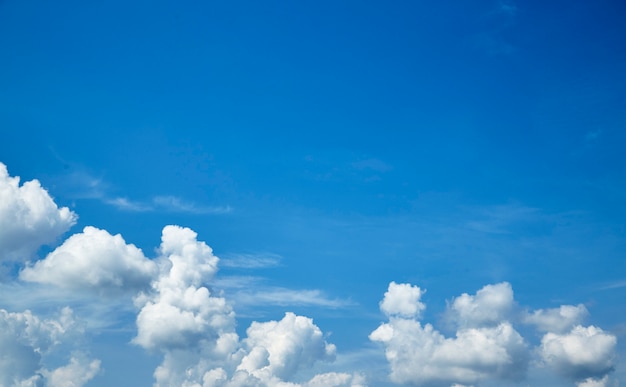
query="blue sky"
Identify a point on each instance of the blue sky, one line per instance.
(323, 151)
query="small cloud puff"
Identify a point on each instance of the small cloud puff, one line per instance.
(402, 300)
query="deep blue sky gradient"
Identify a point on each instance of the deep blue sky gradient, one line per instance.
(449, 144)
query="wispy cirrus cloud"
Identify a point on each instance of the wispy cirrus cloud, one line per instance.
(176, 204)
(289, 297)
(82, 184)
(165, 204)
(239, 290)
(251, 261)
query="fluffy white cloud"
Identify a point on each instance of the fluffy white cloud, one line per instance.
(195, 329)
(29, 218)
(402, 300)
(96, 260)
(591, 382)
(582, 353)
(280, 347)
(180, 316)
(485, 346)
(557, 319)
(76, 373)
(423, 356)
(491, 305)
(26, 338)
(336, 379)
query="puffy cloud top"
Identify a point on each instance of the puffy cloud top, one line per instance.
(402, 300)
(190, 262)
(557, 319)
(485, 346)
(96, 260)
(179, 312)
(489, 306)
(29, 217)
(281, 347)
(584, 352)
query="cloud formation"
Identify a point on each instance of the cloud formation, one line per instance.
(29, 218)
(486, 346)
(93, 260)
(585, 354)
(481, 349)
(195, 329)
(182, 317)
(557, 319)
(25, 339)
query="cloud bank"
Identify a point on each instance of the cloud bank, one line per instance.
(486, 346)
(180, 316)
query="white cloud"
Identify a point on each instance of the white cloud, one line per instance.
(93, 260)
(337, 379)
(591, 382)
(281, 347)
(25, 339)
(557, 319)
(195, 330)
(76, 373)
(584, 352)
(491, 305)
(180, 310)
(423, 356)
(485, 346)
(402, 300)
(180, 316)
(29, 218)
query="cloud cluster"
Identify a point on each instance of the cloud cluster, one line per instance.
(195, 329)
(25, 339)
(29, 218)
(486, 346)
(180, 316)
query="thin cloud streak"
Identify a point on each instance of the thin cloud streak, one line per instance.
(251, 261)
(166, 204)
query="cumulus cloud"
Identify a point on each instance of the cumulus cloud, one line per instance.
(76, 373)
(585, 354)
(557, 319)
(180, 316)
(25, 339)
(423, 356)
(29, 218)
(402, 300)
(195, 329)
(96, 260)
(180, 310)
(281, 347)
(485, 346)
(591, 382)
(491, 305)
